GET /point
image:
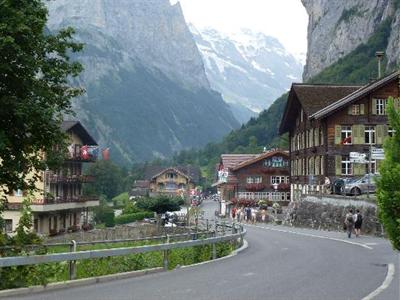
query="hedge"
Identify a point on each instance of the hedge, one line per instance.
(129, 218)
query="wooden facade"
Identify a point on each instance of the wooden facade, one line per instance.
(324, 130)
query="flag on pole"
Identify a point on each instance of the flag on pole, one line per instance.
(106, 154)
(84, 152)
(346, 140)
(93, 151)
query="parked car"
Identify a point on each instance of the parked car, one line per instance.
(363, 185)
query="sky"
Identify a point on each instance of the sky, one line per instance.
(284, 19)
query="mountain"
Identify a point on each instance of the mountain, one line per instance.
(147, 93)
(336, 28)
(356, 67)
(249, 69)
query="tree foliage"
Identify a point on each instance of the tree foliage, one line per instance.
(109, 179)
(388, 188)
(35, 91)
(160, 204)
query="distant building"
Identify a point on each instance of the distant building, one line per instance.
(172, 181)
(60, 204)
(329, 123)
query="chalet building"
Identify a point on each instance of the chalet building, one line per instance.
(326, 123)
(253, 177)
(172, 181)
(59, 205)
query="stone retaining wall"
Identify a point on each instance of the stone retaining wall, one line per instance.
(328, 213)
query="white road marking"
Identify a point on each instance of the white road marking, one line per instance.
(371, 244)
(385, 284)
(249, 274)
(314, 236)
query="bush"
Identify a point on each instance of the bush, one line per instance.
(131, 208)
(121, 200)
(129, 218)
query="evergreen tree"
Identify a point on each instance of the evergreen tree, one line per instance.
(388, 188)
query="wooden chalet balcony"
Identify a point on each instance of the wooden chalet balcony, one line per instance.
(54, 178)
(47, 204)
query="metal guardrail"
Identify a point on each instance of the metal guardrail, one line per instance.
(237, 232)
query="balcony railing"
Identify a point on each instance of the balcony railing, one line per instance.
(61, 200)
(54, 178)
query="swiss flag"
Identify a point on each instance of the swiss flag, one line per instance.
(85, 152)
(346, 140)
(106, 154)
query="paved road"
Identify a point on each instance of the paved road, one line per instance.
(277, 265)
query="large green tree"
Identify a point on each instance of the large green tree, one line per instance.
(388, 192)
(110, 179)
(35, 91)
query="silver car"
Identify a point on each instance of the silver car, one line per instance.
(363, 185)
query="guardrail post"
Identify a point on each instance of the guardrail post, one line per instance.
(207, 224)
(233, 228)
(223, 228)
(241, 235)
(72, 263)
(165, 260)
(214, 247)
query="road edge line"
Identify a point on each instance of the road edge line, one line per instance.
(385, 284)
(314, 236)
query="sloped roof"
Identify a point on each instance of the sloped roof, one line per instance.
(359, 93)
(190, 171)
(312, 98)
(232, 160)
(174, 170)
(260, 157)
(77, 128)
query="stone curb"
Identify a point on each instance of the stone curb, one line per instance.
(77, 283)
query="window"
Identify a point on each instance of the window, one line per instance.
(276, 162)
(278, 179)
(380, 106)
(355, 109)
(369, 134)
(18, 193)
(391, 131)
(373, 167)
(170, 175)
(346, 135)
(346, 166)
(8, 225)
(254, 179)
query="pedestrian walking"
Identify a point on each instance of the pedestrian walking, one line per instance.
(248, 214)
(253, 215)
(349, 223)
(263, 215)
(234, 213)
(358, 222)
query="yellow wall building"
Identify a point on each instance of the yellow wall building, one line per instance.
(170, 181)
(59, 204)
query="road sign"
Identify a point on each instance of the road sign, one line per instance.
(377, 153)
(358, 158)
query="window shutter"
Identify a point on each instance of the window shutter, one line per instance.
(358, 131)
(338, 132)
(380, 135)
(362, 109)
(385, 131)
(373, 110)
(396, 103)
(350, 110)
(338, 164)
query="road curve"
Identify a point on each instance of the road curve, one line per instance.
(276, 265)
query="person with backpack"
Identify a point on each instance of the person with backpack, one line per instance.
(358, 223)
(349, 222)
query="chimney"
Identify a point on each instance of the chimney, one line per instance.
(379, 55)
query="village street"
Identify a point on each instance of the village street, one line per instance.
(278, 264)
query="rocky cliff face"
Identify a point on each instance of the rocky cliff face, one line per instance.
(337, 27)
(248, 68)
(147, 94)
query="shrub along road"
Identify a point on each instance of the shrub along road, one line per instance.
(278, 264)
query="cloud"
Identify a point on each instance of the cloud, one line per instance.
(284, 19)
